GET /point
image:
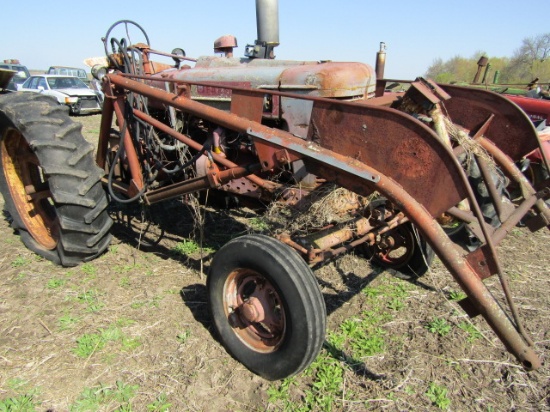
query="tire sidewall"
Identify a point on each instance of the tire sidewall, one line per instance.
(17, 223)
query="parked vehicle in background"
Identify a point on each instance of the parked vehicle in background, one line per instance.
(6, 77)
(81, 74)
(70, 71)
(22, 73)
(68, 90)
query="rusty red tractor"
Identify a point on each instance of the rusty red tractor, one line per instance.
(435, 163)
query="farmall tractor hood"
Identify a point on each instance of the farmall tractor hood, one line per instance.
(319, 79)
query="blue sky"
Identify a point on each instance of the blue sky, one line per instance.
(43, 33)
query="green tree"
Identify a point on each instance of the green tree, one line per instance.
(529, 61)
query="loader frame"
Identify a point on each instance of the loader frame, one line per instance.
(363, 146)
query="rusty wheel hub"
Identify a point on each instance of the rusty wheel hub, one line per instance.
(255, 310)
(29, 189)
(396, 247)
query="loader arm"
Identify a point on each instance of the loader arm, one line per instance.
(363, 148)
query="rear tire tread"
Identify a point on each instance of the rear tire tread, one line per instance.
(74, 179)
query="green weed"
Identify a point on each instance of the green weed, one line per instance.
(186, 248)
(438, 396)
(457, 295)
(124, 282)
(372, 292)
(129, 344)
(89, 269)
(90, 343)
(21, 403)
(281, 393)
(258, 224)
(471, 330)
(55, 283)
(337, 340)
(91, 299)
(327, 385)
(19, 261)
(122, 322)
(24, 401)
(17, 384)
(21, 276)
(409, 390)
(155, 302)
(93, 399)
(396, 304)
(351, 327)
(439, 326)
(67, 321)
(183, 336)
(398, 290)
(138, 304)
(369, 344)
(127, 268)
(361, 337)
(516, 232)
(161, 404)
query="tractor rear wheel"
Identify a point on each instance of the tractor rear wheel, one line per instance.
(266, 306)
(49, 180)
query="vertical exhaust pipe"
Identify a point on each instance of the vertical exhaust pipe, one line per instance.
(380, 61)
(267, 24)
(267, 21)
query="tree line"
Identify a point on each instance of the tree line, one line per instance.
(529, 62)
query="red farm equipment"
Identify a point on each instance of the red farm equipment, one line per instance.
(434, 162)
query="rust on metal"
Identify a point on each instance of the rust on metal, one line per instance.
(394, 144)
(199, 183)
(248, 105)
(259, 182)
(511, 130)
(104, 131)
(27, 189)
(363, 148)
(129, 149)
(255, 310)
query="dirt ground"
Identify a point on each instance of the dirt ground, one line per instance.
(159, 353)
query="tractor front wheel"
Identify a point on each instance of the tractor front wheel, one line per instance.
(266, 306)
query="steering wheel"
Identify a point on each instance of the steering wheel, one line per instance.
(120, 45)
